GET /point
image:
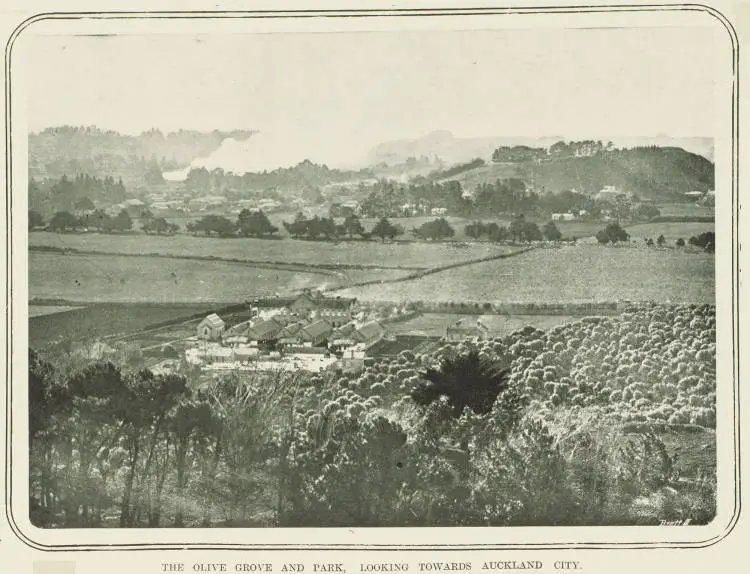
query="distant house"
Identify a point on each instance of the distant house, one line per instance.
(316, 333)
(369, 333)
(563, 217)
(466, 329)
(609, 193)
(439, 211)
(211, 328)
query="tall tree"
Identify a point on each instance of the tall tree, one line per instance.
(35, 220)
(254, 224)
(385, 229)
(466, 380)
(551, 232)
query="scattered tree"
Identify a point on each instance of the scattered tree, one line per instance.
(255, 224)
(466, 380)
(63, 221)
(612, 234)
(435, 230)
(385, 229)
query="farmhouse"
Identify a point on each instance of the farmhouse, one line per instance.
(211, 328)
(465, 328)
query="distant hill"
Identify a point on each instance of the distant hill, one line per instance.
(138, 160)
(454, 150)
(650, 172)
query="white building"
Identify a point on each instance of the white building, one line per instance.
(211, 328)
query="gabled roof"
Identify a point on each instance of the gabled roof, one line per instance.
(238, 330)
(369, 330)
(317, 329)
(213, 320)
(264, 329)
(291, 330)
(345, 331)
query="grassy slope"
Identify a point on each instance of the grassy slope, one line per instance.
(370, 253)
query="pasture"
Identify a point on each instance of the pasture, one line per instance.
(373, 254)
(101, 278)
(671, 231)
(582, 273)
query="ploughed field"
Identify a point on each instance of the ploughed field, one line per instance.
(580, 273)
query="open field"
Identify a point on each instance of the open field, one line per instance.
(40, 310)
(671, 231)
(157, 280)
(580, 273)
(685, 210)
(344, 253)
(435, 324)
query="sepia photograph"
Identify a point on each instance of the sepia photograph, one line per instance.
(392, 272)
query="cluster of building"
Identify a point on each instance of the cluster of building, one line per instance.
(309, 332)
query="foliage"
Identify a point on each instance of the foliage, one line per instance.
(35, 220)
(467, 380)
(706, 241)
(613, 233)
(551, 232)
(386, 230)
(159, 226)
(63, 221)
(210, 224)
(254, 224)
(435, 230)
(576, 425)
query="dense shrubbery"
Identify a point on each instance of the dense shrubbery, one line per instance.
(560, 427)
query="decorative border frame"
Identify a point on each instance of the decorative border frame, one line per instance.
(367, 13)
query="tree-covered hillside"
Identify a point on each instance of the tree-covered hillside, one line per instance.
(649, 172)
(138, 160)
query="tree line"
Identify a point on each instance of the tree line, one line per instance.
(501, 197)
(100, 221)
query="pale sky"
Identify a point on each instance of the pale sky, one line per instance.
(332, 97)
